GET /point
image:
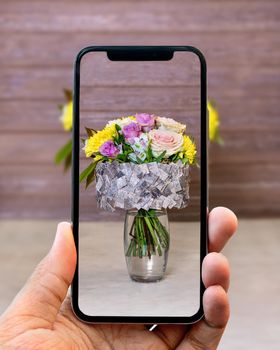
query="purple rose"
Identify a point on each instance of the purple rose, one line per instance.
(147, 121)
(109, 149)
(131, 130)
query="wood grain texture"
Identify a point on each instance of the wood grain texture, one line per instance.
(39, 82)
(39, 40)
(162, 16)
(220, 48)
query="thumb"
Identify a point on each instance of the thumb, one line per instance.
(47, 287)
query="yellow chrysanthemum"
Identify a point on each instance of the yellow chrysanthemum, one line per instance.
(189, 149)
(94, 142)
(214, 123)
(67, 116)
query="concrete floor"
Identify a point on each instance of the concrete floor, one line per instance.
(102, 267)
(255, 284)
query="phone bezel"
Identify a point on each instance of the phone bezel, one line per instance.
(134, 52)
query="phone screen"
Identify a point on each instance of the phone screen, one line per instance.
(140, 224)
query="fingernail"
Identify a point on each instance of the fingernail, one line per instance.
(63, 232)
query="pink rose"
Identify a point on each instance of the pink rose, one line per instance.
(147, 121)
(165, 140)
(109, 149)
(131, 130)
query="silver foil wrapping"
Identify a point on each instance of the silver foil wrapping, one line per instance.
(142, 186)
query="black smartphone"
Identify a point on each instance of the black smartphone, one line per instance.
(139, 184)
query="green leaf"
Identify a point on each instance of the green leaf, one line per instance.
(90, 131)
(87, 171)
(139, 160)
(121, 156)
(160, 157)
(67, 162)
(91, 177)
(149, 154)
(63, 152)
(60, 107)
(118, 128)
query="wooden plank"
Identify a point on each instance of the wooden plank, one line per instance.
(244, 81)
(29, 148)
(35, 149)
(258, 200)
(31, 116)
(231, 174)
(43, 116)
(220, 48)
(35, 207)
(39, 180)
(48, 82)
(35, 83)
(235, 114)
(96, 69)
(253, 113)
(137, 97)
(151, 16)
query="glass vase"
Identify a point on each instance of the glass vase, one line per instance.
(146, 244)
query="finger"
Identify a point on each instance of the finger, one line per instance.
(222, 225)
(47, 287)
(207, 333)
(216, 271)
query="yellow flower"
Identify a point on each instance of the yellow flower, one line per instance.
(94, 142)
(214, 123)
(66, 117)
(189, 150)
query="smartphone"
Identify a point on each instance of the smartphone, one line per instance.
(139, 184)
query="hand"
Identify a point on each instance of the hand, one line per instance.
(40, 318)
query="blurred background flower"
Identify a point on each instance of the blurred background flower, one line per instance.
(66, 117)
(214, 123)
(64, 154)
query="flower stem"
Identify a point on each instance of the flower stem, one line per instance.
(148, 235)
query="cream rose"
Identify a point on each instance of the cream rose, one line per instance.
(122, 121)
(165, 140)
(164, 123)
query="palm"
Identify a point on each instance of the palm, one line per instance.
(69, 333)
(111, 336)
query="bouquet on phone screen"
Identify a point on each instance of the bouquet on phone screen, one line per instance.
(141, 163)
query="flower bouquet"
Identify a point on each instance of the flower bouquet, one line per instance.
(141, 163)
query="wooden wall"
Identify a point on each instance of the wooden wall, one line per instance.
(39, 40)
